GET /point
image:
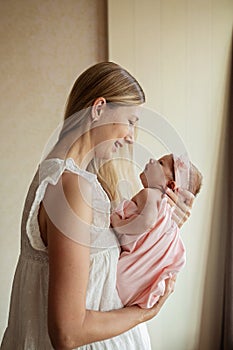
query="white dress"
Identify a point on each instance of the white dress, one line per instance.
(27, 324)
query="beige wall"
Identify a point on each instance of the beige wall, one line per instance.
(45, 45)
(180, 52)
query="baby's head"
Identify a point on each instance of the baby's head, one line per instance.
(170, 171)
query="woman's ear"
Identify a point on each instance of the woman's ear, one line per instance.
(171, 184)
(97, 108)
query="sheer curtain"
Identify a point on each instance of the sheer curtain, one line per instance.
(216, 327)
(227, 324)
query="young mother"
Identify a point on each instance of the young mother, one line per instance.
(64, 292)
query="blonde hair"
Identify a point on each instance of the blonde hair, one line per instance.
(105, 79)
(118, 87)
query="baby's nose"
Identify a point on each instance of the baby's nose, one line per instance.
(152, 160)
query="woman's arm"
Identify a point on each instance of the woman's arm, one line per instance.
(70, 325)
(147, 202)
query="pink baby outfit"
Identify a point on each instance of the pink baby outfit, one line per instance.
(146, 260)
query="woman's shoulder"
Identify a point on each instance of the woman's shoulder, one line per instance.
(64, 187)
(75, 186)
(68, 206)
(54, 167)
(71, 188)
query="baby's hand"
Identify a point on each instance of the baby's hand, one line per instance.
(114, 219)
(182, 200)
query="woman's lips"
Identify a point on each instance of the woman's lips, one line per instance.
(116, 145)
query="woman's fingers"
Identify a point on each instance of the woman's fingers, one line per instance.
(179, 216)
(182, 198)
(182, 201)
(169, 288)
(180, 210)
(179, 220)
(186, 196)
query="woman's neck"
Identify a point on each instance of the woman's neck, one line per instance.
(81, 151)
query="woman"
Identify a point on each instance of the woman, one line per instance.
(64, 292)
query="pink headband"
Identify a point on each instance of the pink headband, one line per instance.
(181, 168)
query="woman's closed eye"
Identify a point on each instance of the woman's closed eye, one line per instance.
(131, 123)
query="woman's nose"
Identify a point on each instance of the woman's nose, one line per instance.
(130, 137)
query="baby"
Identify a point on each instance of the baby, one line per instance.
(152, 249)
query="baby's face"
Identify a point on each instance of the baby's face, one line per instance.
(167, 163)
(158, 172)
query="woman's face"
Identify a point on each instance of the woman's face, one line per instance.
(114, 129)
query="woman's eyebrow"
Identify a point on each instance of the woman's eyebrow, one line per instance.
(135, 117)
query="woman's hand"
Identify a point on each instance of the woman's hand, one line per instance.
(182, 200)
(148, 314)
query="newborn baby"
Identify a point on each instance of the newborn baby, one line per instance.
(152, 249)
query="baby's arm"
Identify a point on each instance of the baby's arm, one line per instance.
(147, 201)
